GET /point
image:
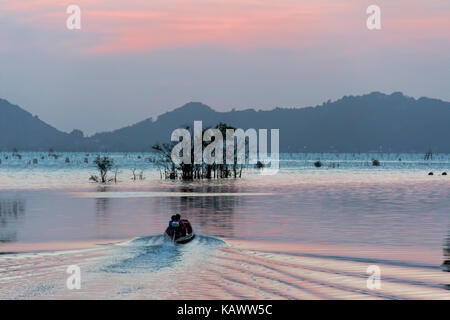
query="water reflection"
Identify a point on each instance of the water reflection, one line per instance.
(11, 214)
(414, 215)
(102, 212)
(214, 215)
(446, 263)
(102, 207)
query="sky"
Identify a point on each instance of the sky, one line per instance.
(136, 59)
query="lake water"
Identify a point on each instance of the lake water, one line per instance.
(392, 215)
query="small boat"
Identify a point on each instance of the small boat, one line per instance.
(184, 239)
(183, 232)
(180, 238)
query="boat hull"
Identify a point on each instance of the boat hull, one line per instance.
(181, 240)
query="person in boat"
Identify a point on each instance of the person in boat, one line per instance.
(171, 228)
(184, 226)
(180, 230)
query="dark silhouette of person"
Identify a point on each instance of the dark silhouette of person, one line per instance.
(178, 227)
(170, 229)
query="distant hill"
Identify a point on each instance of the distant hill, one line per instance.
(372, 122)
(21, 130)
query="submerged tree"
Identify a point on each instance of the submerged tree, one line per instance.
(428, 155)
(189, 170)
(259, 165)
(136, 175)
(104, 165)
(163, 160)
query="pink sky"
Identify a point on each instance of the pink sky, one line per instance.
(135, 25)
(155, 55)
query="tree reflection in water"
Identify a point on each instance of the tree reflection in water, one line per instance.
(12, 212)
(446, 263)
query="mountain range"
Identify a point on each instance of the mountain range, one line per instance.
(366, 123)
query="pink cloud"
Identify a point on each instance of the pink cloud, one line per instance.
(117, 26)
(230, 24)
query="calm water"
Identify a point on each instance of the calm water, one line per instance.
(345, 202)
(304, 233)
(24, 160)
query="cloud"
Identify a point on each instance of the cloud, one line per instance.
(115, 26)
(141, 25)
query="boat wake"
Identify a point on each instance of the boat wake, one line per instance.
(208, 268)
(153, 253)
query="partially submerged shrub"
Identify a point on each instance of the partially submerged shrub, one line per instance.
(259, 165)
(103, 165)
(116, 172)
(136, 176)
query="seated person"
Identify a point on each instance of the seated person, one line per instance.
(185, 225)
(171, 228)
